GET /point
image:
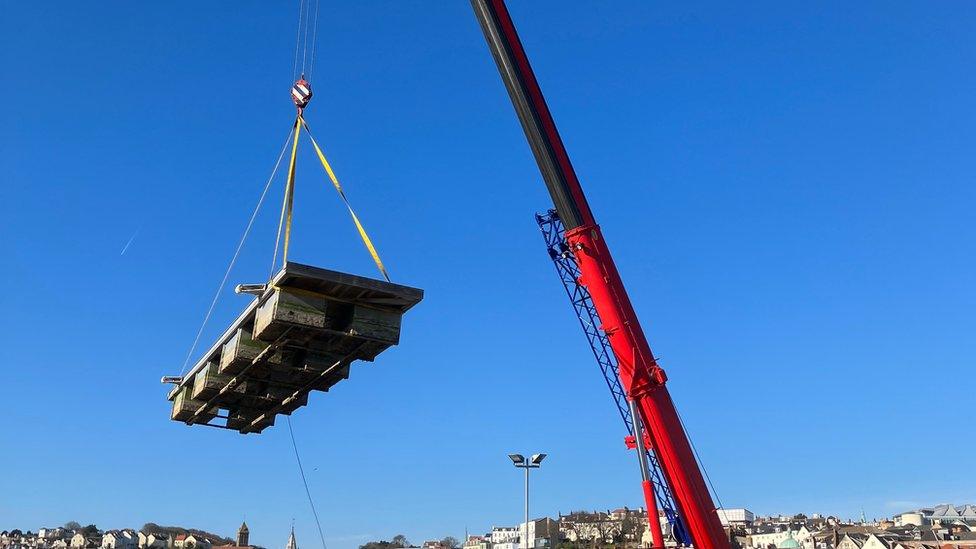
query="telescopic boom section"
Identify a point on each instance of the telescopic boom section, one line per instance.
(642, 378)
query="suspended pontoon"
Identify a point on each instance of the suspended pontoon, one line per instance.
(302, 333)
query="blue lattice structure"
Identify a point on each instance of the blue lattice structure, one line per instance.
(579, 296)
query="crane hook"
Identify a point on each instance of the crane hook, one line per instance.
(301, 93)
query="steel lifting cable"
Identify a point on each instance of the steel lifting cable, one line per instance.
(298, 38)
(237, 253)
(315, 28)
(305, 49)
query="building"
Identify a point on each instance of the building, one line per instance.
(940, 514)
(478, 542)
(500, 534)
(81, 541)
(243, 537)
(736, 517)
(120, 539)
(582, 526)
(152, 540)
(541, 532)
(191, 541)
(770, 536)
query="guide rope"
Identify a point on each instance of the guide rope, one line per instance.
(237, 252)
(308, 493)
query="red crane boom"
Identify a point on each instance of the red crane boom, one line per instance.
(640, 375)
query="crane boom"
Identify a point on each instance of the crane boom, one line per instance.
(640, 375)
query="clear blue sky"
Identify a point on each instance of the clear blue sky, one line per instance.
(788, 189)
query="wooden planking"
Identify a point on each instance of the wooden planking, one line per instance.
(301, 334)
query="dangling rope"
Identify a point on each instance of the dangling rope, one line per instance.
(237, 252)
(355, 218)
(308, 493)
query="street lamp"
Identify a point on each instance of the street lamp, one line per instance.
(533, 462)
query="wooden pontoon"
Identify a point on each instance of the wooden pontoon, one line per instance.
(302, 333)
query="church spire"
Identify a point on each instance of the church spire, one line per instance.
(292, 544)
(242, 535)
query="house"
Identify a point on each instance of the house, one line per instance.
(539, 532)
(478, 542)
(81, 541)
(503, 535)
(152, 540)
(583, 526)
(852, 540)
(119, 539)
(880, 541)
(771, 535)
(190, 541)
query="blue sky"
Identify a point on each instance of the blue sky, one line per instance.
(787, 189)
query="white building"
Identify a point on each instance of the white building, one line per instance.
(540, 532)
(503, 535)
(152, 540)
(735, 517)
(765, 539)
(120, 539)
(585, 526)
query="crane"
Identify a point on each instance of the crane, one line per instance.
(657, 431)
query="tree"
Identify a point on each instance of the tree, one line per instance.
(400, 540)
(377, 545)
(72, 525)
(605, 528)
(632, 528)
(450, 542)
(578, 523)
(89, 530)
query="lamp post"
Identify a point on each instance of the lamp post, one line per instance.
(533, 462)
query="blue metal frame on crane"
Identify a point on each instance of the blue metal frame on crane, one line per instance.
(579, 296)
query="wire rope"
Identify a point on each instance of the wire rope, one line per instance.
(698, 457)
(298, 38)
(315, 28)
(237, 253)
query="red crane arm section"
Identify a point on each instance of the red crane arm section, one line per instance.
(641, 377)
(645, 383)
